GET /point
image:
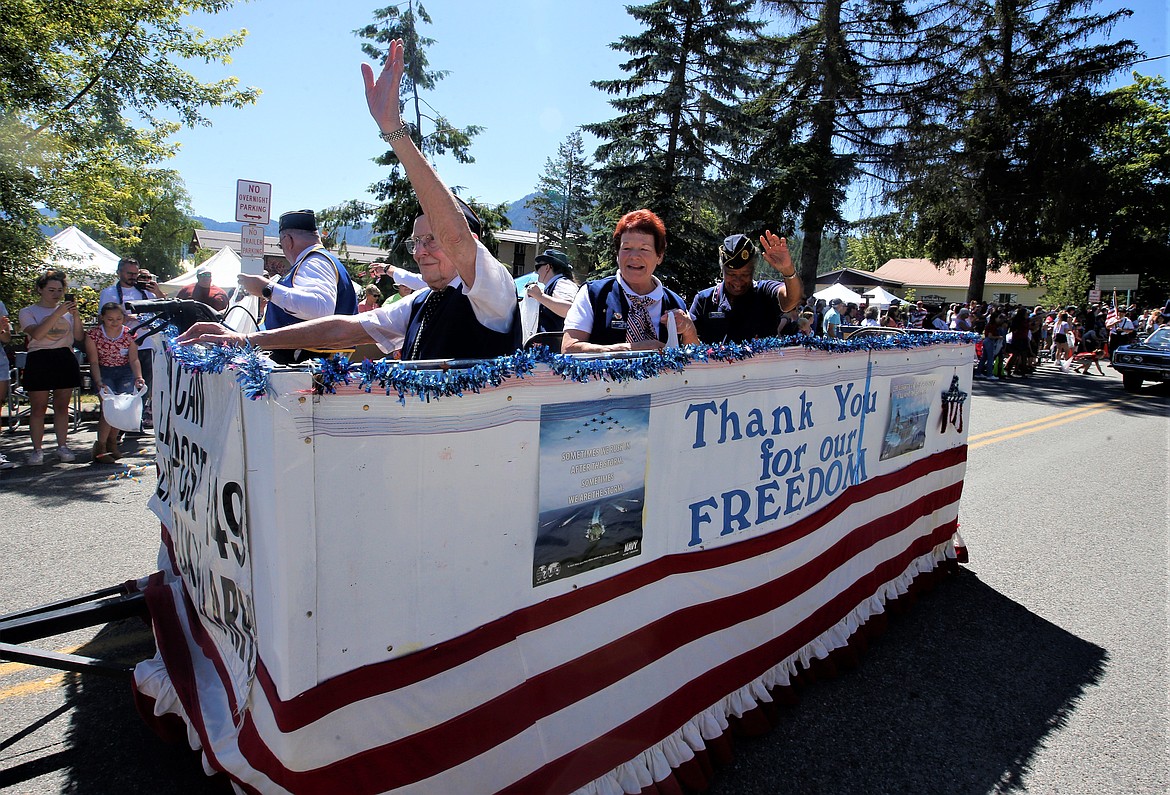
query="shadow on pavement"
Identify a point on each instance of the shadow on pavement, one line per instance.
(957, 697)
(108, 747)
(1070, 390)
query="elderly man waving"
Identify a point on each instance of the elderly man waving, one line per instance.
(469, 309)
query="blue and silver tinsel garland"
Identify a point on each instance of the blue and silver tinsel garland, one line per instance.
(391, 376)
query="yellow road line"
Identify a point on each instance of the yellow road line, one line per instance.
(32, 688)
(1080, 415)
(1042, 420)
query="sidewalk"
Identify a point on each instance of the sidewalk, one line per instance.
(137, 450)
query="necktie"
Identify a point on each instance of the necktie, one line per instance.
(639, 327)
(429, 308)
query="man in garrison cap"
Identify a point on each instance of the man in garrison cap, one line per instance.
(469, 307)
(315, 286)
(553, 292)
(739, 308)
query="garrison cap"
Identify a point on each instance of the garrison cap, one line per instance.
(736, 251)
(473, 222)
(305, 220)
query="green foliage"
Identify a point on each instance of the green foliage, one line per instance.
(90, 97)
(394, 218)
(998, 163)
(1129, 206)
(1065, 275)
(674, 147)
(334, 224)
(823, 120)
(153, 216)
(879, 240)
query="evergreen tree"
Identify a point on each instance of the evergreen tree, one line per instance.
(835, 95)
(89, 99)
(672, 149)
(564, 196)
(1004, 139)
(394, 218)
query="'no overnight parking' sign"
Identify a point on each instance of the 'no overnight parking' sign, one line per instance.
(253, 201)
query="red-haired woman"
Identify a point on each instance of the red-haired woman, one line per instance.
(628, 311)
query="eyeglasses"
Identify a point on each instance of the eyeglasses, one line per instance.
(426, 242)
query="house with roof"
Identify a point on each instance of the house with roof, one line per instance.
(948, 284)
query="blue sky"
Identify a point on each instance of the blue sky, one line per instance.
(520, 69)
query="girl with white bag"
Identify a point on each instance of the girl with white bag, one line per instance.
(117, 376)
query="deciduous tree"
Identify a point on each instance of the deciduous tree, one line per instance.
(90, 96)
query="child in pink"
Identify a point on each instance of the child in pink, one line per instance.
(113, 362)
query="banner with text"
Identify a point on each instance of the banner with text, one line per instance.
(201, 499)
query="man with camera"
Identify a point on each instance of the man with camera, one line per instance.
(135, 284)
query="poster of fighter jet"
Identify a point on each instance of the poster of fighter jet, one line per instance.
(592, 485)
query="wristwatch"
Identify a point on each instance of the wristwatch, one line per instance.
(266, 291)
(394, 135)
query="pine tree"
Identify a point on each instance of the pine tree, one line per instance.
(836, 92)
(394, 218)
(564, 196)
(1006, 118)
(673, 148)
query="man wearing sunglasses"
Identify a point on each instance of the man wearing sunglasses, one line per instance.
(469, 308)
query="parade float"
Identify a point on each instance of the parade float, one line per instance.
(539, 573)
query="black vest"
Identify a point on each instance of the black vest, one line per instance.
(611, 311)
(550, 320)
(754, 314)
(455, 333)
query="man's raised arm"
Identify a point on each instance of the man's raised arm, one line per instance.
(448, 224)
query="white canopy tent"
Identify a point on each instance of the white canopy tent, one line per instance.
(75, 250)
(881, 297)
(838, 290)
(225, 267)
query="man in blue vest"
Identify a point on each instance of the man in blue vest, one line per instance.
(553, 292)
(739, 308)
(469, 308)
(316, 284)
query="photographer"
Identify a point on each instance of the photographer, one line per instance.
(135, 284)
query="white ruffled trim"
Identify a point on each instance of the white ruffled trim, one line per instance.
(152, 680)
(660, 760)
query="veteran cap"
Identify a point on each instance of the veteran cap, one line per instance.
(736, 251)
(305, 220)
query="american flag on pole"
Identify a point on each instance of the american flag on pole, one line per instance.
(1113, 318)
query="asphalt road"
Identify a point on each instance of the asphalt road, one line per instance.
(1041, 667)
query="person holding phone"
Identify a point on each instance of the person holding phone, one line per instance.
(52, 326)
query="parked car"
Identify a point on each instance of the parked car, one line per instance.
(1147, 360)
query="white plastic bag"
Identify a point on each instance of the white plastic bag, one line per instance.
(122, 411)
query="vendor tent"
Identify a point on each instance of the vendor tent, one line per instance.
(881, 297)
(839, 290)
(225, 267)
(75, 250)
